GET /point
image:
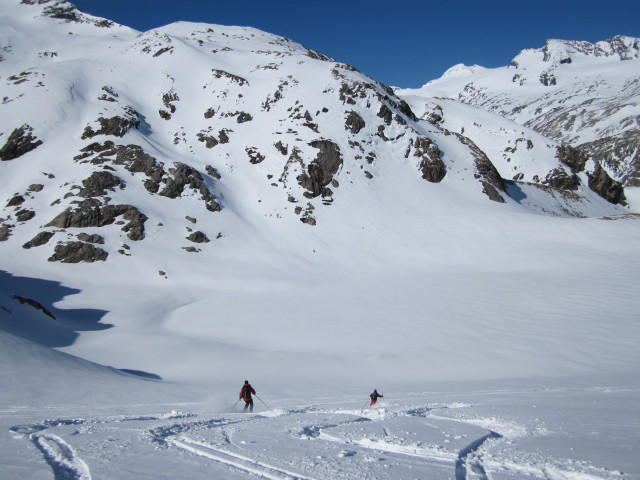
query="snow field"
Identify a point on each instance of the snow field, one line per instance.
(472, 430)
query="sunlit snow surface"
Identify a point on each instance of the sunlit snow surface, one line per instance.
(402, 286)
(583, 428)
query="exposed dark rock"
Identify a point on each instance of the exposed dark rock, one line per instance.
(381, 133)
(548, 79)
(490, 191)
(558, 178)
(98, 183)
(208, 140)
(223, 137)
(36, 187)
(230, 77)
(309, 220)
(183, 176)
(116, 126)
(386, 114)
(91, 213)
(619, 153)
(209, 113)
(20, 141)
(244, 117)
(601, 183)
(431, 165)
(319, 56)
(15, 201)
(486, 172)
(109, 96)
(213, 172)
(190, 219)
(321, 170)
(90, 238)
(354, 122)
(254, 155)
(93, 148)
(136, 160)
(572, 157)
(281, 148)
(198, 237)
(191, 249)
(405, 109)
(34, 304)
(25, 215)
(5, 231)
(76, 252)
(40, 239)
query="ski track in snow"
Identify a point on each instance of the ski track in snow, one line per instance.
(473, 461)
(238, 461)
(62, 459)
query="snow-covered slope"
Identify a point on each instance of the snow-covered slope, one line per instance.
(191, 206)
(214, 200)
(578, 93)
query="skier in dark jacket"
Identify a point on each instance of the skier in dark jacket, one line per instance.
(374, 397)
(245, 394)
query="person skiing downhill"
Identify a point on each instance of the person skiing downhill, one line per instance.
(374, 397)
(245, 394)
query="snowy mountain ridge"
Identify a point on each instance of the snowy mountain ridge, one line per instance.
(584, 95)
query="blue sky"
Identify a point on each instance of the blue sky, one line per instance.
(402, 43)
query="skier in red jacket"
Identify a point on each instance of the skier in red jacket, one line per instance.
(245, 394)
(374, 397)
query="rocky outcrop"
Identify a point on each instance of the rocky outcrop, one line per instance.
(90, 238)
(169, 183)
(320, 172)
(20, 141)
(431, 165)
(572, 157)
(40, 239)
(486, 172)
(98, 183)
(15, 201)
(25, 215)
(116, 126)
(620, 154)
(76, 252)
(91, 213)
(198, 237)
(601, 183)
(354, 122)
(560, 179)
(183, 176)
(5, 231)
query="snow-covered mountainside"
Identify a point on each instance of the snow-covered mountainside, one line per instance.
(189, 191)
(185, 208)
(584, 95)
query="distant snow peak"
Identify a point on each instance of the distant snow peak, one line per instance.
(461, 70)
(64, 10)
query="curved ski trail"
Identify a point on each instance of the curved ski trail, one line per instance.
(62, 459)
(235, 460)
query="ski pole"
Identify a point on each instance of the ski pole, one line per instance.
(262, 402)
(234, 405)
